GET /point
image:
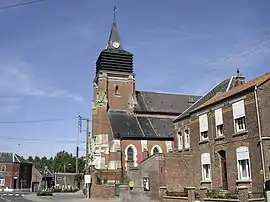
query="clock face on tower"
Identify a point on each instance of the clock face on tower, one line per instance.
(116, 44)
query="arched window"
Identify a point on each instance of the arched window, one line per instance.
(155, 150)
(116, 89)
(130, 154)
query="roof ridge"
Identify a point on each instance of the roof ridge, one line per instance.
(167, 93)
(235, 90)
(139, 125)
(155, 131)
(144, 102)
(202, 97)
(17, 157)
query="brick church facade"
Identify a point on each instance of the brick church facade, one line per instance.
(129, 125)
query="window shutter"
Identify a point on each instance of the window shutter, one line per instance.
(205, 158)
(180, 141)
(238, 109)
(203, 121)
(218, 117)
(242, 153)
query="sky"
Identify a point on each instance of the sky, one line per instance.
(48, 52)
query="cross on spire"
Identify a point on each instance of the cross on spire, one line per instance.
(114, 41)
(114, 13)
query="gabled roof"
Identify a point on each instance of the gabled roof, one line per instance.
(125, 124)
(222, 86)
(163, 102)
(251, 84)
(6, 157)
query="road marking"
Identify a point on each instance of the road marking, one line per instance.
(4, 198)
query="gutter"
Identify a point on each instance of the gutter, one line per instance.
(260, 134)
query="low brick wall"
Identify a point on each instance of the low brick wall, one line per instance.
(257, 200)
(174, 199)
(220, 200)
(193, 194)
(103, 191)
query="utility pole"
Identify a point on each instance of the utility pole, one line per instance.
(88, 158)
(88, 172)
(78, 140)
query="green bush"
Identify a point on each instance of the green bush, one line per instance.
(222, 196)
(45, 192)
(71, 190)
(56, 190)
(176, 193)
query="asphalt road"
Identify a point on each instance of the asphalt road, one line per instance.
(27, 197)
(12, 198)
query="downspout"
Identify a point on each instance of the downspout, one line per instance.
(260, 135)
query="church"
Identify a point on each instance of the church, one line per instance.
(129, 125)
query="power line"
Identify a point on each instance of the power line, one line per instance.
(20, 4)
(38, 121)
(20, 139)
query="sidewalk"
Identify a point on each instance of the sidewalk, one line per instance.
(64, 197)
(34, 197)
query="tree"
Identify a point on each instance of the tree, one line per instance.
(58, 162)
(30, 159)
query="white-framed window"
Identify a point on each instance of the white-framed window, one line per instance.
(239, 116)
(187, 139)
(3, 168)
(203, 123)
(243, 163)
(131, 155)
(156, 150)
(2, 181)
(219, 122)
(180, 140)
(206, 166)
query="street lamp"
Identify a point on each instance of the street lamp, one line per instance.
(45, 176)
(65, 165)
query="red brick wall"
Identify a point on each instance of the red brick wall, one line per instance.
(12, 170)
(177, 171)
(172, 170)
(103, 191)
(229, 143)
(137, 144)
(174, 199)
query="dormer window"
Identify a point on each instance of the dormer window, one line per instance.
(116, 90)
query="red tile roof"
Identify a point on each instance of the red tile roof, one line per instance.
(251, 84)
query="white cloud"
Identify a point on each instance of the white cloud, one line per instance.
(16, 79)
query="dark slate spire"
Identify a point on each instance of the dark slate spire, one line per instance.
(114, 41)
(114, 57)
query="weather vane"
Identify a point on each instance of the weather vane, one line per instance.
(114, 11)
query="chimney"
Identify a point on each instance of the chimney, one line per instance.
(191, 101)
(239, 79)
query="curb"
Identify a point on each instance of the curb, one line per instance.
(12, 194)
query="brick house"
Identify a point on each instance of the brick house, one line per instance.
(15, 172)
(129, 125)
(229, 136)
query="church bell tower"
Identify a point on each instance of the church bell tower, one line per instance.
(114, 89)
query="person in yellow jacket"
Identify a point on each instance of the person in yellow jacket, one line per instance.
(131, 184)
